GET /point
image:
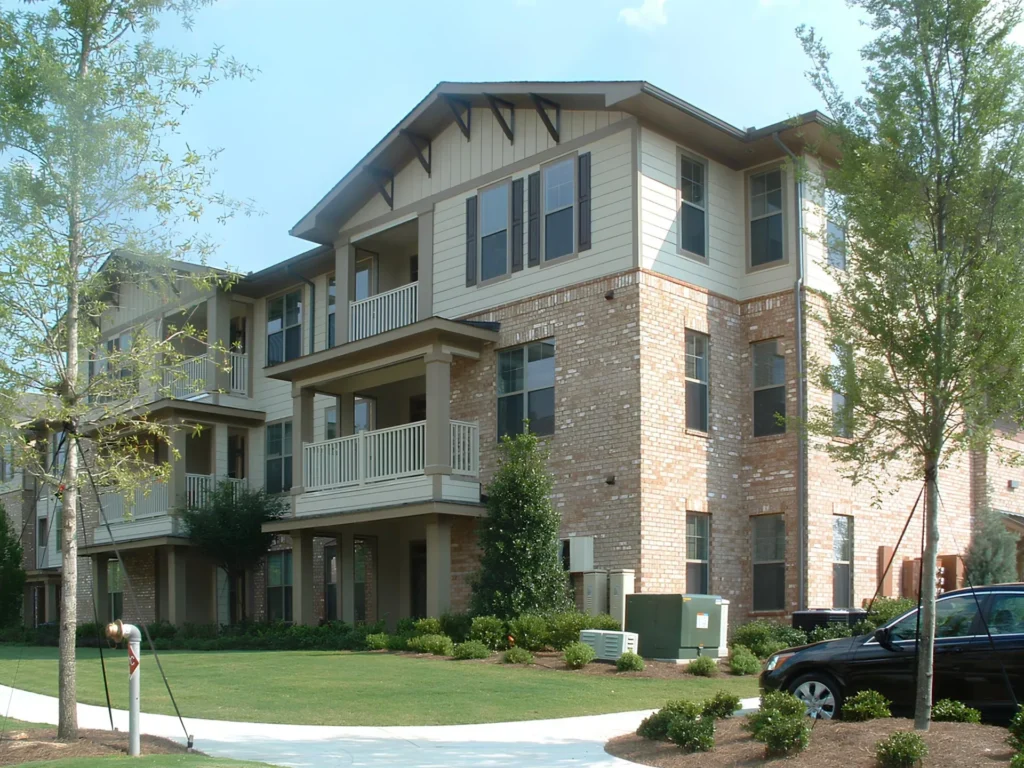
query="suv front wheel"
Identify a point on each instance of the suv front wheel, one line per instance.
(820, 693)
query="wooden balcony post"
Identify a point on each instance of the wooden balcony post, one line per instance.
(302, 577)
(177, 585)
(101, 588)
(178, 482)
(302, 432)
(344, 270)
(437, 448)
(439, 566)
(218, 332)
(425, 264)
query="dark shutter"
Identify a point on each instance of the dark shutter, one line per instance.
(533, 252)
(583, 198)
(471, 241)
(517, 225)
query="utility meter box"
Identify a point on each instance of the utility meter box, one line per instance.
(595, 592)
(675, 626)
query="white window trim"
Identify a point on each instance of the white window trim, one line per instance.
(508, 232)
(693, 158)
(284, 328)
(754, 388)
(755, 562)
(787, 206)
(705, 563)
(688, 332)
(574, 158)
(524, 393)
(286, 445)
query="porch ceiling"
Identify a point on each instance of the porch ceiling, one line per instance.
(154, 541)
(384, 350)
(191, 410)
(324, 524)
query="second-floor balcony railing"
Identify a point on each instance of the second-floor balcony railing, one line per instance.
(384, 454)
(196, 376)
(383, 312)
(154, 499)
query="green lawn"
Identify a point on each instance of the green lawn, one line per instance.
(329, 688)
(150, 761)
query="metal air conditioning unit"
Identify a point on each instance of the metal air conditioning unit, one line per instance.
(608, 646)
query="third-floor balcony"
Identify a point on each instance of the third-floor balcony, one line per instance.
(383, 312)
(197, 376)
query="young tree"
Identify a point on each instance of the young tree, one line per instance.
(228, 528)
(520, 568)
(12, 575)
(90, 198)
(992, 555)
(929, 188)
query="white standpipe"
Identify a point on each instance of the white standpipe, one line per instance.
(117, 632)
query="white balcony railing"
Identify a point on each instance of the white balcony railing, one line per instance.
(239, 373)
(383, 312)
(384, 454)
(189, 377)
(148, 501)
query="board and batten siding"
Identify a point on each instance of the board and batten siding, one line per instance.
(455, 160)
(725, 271)
(611, 235)
(137, 300)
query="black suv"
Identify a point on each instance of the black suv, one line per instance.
(984, 672)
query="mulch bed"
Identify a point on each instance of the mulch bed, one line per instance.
(553, 660)
(833, 744)
(17, 747)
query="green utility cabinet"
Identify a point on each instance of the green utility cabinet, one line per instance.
(675, 626)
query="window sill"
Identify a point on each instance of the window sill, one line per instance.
(493, 280)
(691, 255)
(778, 436)
(767, 265)
(561, 259)
(697, 433)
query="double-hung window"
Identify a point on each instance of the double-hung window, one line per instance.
(284, 327)
(559, 214)
(841, 416)
(835, 244)
(115, 590)
(766, 218)
(526, 389)
(330, 423)
(279, 457)
(769, 562)
(696, 381)
(693, 206)
(279, 586)
(494, 216)
(698, 540)
(769, 388)
(842, 561)
(332, 300)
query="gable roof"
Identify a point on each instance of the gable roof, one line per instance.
(734, 147)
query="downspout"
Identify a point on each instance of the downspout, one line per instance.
(801, 451)
(312, 305)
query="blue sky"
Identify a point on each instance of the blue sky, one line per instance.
(336, 75)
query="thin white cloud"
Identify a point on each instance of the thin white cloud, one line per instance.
(649, 15)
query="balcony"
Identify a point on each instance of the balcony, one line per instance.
(385, 467)
(195, 376)
(383, 312)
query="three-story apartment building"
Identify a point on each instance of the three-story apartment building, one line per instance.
(634, 277)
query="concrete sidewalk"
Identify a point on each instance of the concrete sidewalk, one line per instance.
(575, 741)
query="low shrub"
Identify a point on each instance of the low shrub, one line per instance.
(471, 649)
(953, 711)
(529, 631)
(406, 627)
(786, 735)
(630, 662)
(655, 726)
(885, 610)
(162, 630)
(565, 628)
(1016, 737)
(604, 622)
(721, 705)
(429, 626)
(578, 655)
(438, 645)
(397, 642)
(692, 734)
(775, 705)
(702, 666)
(866, 705)
(489, 630)
(903, 749)
(517, 656)
(829, 632)
(456, 626)
(378, 641)
(743, 661)
(1017, 761)
(767, 637)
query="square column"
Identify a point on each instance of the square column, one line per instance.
(177, 585)
(346, 577)
(220, 452)
(218, 335)
(438, 453)
(439, 566)
(425, 239)
(179, 441)
(346, 414)
(100, 587)
(302, 577)
(302, 432)
(344, 282)
(52, 603)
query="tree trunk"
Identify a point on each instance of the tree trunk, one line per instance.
(926, 642)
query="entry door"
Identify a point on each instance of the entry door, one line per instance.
(366, 275)
(418, 577)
